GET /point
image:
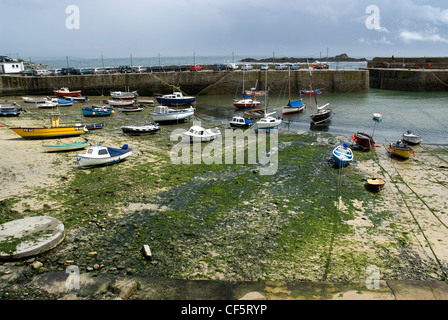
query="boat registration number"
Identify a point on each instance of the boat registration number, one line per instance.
(28, 130)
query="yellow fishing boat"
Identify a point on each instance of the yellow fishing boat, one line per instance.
(55, 130)
(401, 149)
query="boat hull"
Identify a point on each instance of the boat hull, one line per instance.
(375, 184)
(321, 117)
(173, 102)
(363, 140)
(50, 132)
(90, 162)
(62, 93)
(342, 156)
(65, 147)
(97, 112)
(172, 115)
(138, 130)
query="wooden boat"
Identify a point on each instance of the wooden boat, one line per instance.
(102, 156)
(124, 95)
(95, 111)
(66, 146)
(342, 155)
(411, 138)
(66, 92)
(311, 92)
(401, 149)
(120, 103)
(246, 103)
(199, 134)
(240, 122)
(165, 114)
(254, 114)
(94, 126)
(10, 110)
(148, 128)
(55, 130)
(375, 184)
(252, 92)
(35, 99)
(176, 98)
(363, 140)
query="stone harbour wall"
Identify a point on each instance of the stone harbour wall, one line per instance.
(192, 83)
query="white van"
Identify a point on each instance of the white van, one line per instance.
(280, 66)
(247, 66)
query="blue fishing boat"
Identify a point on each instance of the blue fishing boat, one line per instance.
(240, 122)
(10, 110)
(176, 98)
(342, 155)
(102, 156)
(95, 111)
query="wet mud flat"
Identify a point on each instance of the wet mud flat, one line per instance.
(309, 222)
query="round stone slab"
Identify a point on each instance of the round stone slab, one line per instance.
(30, 236)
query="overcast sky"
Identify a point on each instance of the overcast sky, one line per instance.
(293, 28)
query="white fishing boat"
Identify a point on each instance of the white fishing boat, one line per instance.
(268, 121)
(199, 134)
(47, 104)
(148, 128)
(35, 99)
(165, 114)
(124, 95)
(411, 138)
(101, 156)
(120, 103)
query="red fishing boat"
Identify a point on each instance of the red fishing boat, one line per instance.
(65, 92)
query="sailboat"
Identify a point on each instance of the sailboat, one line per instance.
(292, 106)
(322, 115)
(247, 101)
(268, 121)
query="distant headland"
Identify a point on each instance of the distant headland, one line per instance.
(339, 58)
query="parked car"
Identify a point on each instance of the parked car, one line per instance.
(27, 72)
(67, 71)
(157, 69)
(125, 69)
(99, 71)
(42, 72)
(196, 68)
(85, 71)
(246, 66)
(56, 72)
(294, 66)
(280, 66)
(264, 66)
(139, 69)
(181, 68)
(219, 67)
